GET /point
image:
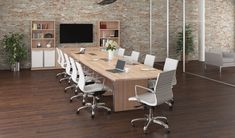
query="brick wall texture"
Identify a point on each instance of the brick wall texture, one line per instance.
(16, 16)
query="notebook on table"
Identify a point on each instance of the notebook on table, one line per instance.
(120, 67)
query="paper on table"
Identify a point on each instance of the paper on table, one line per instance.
(146, 69)
(95, 59)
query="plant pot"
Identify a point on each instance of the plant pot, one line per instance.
(110, 54)
(15, 67)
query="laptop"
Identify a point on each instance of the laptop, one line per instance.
(119, 67)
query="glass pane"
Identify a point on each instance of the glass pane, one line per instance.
(219, 40)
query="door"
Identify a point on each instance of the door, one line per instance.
(37, 59)
(49, 58)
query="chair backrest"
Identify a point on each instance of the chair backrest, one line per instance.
(68, 64)
(63, 62)
(135, 55)
(59, 56)
(121, 51)
(81, 80)
(163, 86)
(149, 60)
(74, 70)
(171, 64)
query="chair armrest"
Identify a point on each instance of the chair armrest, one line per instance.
(100, 79)
(137, 87)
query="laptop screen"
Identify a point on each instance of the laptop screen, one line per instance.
(120, 65)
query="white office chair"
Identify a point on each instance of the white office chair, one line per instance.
(70, 72)
(121, 52)
(60, 61)
(73, 76)
(170, 64)
(75, 79)
(161, 93)
(93, 90)
(135, 56)
(149, 60)
(67, 70)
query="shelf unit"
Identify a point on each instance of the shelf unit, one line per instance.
(108, 30)
(42, 44)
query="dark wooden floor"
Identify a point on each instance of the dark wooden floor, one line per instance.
(34, 105)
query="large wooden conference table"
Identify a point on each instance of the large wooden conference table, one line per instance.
(122, 84)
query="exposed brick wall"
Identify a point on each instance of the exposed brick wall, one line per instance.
(134, 16)
(220, 25)
(15, 16)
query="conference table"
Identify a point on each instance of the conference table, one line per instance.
(122, 84)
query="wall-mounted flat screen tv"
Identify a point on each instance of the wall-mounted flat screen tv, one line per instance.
(76, 33)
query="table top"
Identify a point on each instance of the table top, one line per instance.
(97, 60)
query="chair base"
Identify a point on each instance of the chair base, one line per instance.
(69, 87)
(151, 119)
(79, 95)
(170, 103)
(61, 73)
(94, 106)
(65, 78)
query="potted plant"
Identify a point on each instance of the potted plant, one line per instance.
(15, 49)
(111, 46)
(189, 48)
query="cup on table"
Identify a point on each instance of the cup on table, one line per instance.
(126, 70)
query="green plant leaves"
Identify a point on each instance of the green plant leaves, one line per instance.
(14, 46)
(188, 41)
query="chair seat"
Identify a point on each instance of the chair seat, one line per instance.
(146, 98)
(92, 88)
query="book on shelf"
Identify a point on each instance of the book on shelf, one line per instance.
(116, 33)
(103, 41)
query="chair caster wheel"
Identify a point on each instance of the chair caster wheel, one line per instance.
(109, 112)
(168, 131)
(145, 130)
(77, 112)
(171, 107)
(133, 125)
(83, 103)
(65, 91)
(92, 116)
(70, 100)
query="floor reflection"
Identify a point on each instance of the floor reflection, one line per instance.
(197, 67)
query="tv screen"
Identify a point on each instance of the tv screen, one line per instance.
(76, 33)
